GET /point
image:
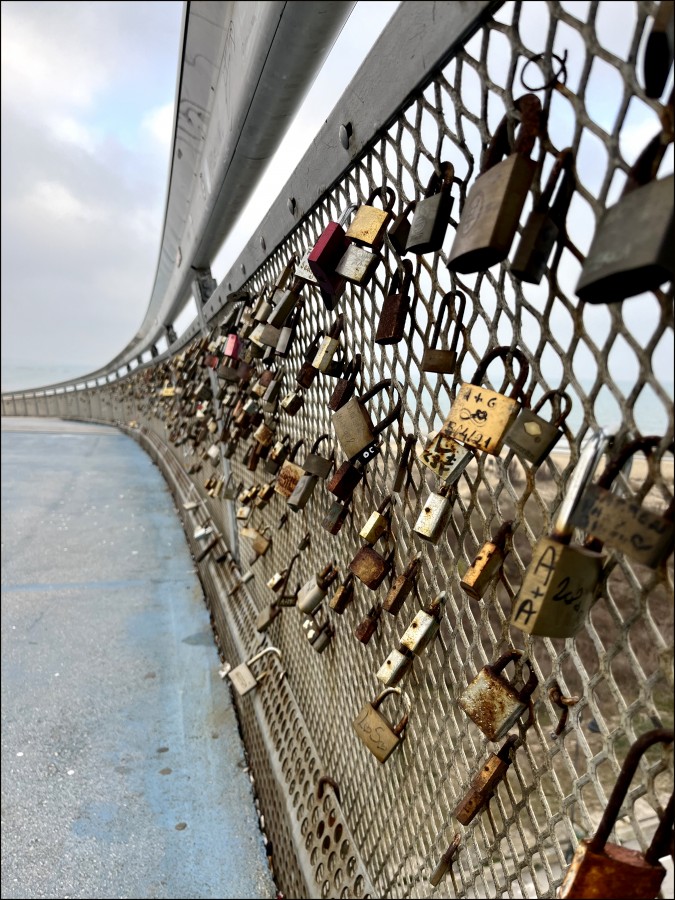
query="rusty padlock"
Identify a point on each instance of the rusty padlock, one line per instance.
(444, 361)
(492, 702)
(354, 429)
(369, 225)
(532, 437)
(344, 389)
(377, 523)
(343, 596)
(371, 567)
(400, 229)
(307, 373)
(625, 524)
(368, 626)
(600, 869)
(479, 417)
(446, 457)
(402, 586)
(344, 481)
(485, 783)
(432, 213)
(394, 312)
(492, 209)
(445, 862)
(487, 563)
(375, 731)
(290, 473)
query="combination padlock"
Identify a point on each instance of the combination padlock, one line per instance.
(243, 678)
(632, 250)
(492, 209)
(402, 586)
(479, 417)
(344, 389)
(560, 583)
(327, 252)
(290, 473)
(377, 523)
(394, 312)
(492, 702)
(313, 591)
(371, 727)
(369, 225)
(432, 213)
(354, 429)
(328, 346)
(487, 563)
(600, 869)
(532, 437)
(485, 783)
(444, 361)
(625, 524)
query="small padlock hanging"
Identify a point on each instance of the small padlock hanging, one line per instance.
(343, 596)
(492, 702)
(315, 464)
(371, 567)
(335, 517)
(479, 417)
(402, 586)
(532, 437)
(354, 429)
(369, 225)
(328, 251)
(432, 213)
(434, 516)
(344, 389)
(391, 325)
(400, 229)
(377, 523)
(375, 731)
(290, 473)
(485, 783)
(368, 626)
(446, 457)
(293, 402)
(357, 265)
(444, 361)
(487, 563)
(307, 373)
(344, 481)
(329, 345)
(493, 206)
(302, 492)
(415, 639)
(288, 332)
(313, 592)
(277, 455)
(243, 678)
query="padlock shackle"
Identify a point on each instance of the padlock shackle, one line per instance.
(380, 192)
(347, 213)
(504, 531)
(563, 175)
(616, 463)
(385, 503)
(511, 656)
(628, 770)
(311, 351)
(394, 690)
(663, 834)
(435, 608)
(351, 369)
(440, 181)
(529, 107)
(336, 328)
(459, 316)
(262, 653)
(504, 353)
(588, 462)
(558, 411)
(401, 287)
(296, 447)
(286, 272)
(315, 445)
(393, 414)
(647, 164)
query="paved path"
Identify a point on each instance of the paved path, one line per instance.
(122, 767)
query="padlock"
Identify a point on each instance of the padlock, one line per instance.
(370, 567)
(424, 627)
(307, 373)
(368, 626)
(395, 667)
(444, 361)
(277, 455)
(377, 523)
(285, 300)
(625, 524)
(546, 222)
(292, 402)
(532, 437)
(214, 454)
(402, 476)
(432, 213)
(357, 265)
(290, 473)
(264, 435)
(335, 517)
(279, 580)
(658, 57)
(601, 869)
(327, 252)
(266, 617)
(343, 596)
(344, 389)
(480, 418)
(261, 543)
(487, 563)
(493, 206)
(632, 250)
(369, 225)
(403, 584)
(394, 312)
(485, 783)
(328, 346)
(445, 862)
(492, 702)
(375, 731)
(400, 229)
(265, 335)
(315, 464)
(445, 457)
(253, 456)
(273, 388)
(314, 590)
(241, 676)
(233, 346)
(561, 581)
(263, 307)
(323, 638)
(354, 429)
(288, 332)
(302, 492)
(435, 514)
(264, 496)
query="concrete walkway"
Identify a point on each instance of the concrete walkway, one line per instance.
(123, 773)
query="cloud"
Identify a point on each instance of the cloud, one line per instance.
(158, 123)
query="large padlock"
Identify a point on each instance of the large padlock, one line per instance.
(277, 455)
(302, 492)
(313, 591)
(344, 389)
(479, 417)
(632, 250)
(546, 223)
(492, 702)
(357, 265)
(328, 251)
(446, 457)
(344, 481)
(533, 437)
(368, 625)
(377, 523)
(328, 346)
(243, 678)
(375, 731)
(315, 464)
(492, 209)
(625, 524)
(432, 213)
(435, 514)
(402, 586)
(600, 869)
(290, 473)
(354, 429)
(307, 373)
(371, 567)
(487, 563)
(485, 783)
(444, 361)
(394, 312)
(369, 225)
(343, 596)
(561, 581)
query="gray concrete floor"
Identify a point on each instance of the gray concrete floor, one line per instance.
(123, 772)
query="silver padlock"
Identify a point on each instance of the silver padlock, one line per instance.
(242, 678)
(492, 702)
(433, 518)
(302, 492)
(314, 590)
(424, 627)
(395, 667)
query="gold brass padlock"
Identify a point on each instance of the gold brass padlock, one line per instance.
(600, 869)
(354, 429)
(492, 702)
(532, 437)
(394, 312)
(329, 345)
(432, 213)
(290, 473)
(343, 596)
(370, 567)
(444, 361)
(479, 417)
(487, 563)
(402, 586)
(369, 225)
(625, 524)
(377, 524)
(445, 457)
(493, 206)
(243, 678)
(445, 862)
(560, 583)
(435, 514)
(375, 731)
(485, 783)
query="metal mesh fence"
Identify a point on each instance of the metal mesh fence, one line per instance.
(395, 820)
